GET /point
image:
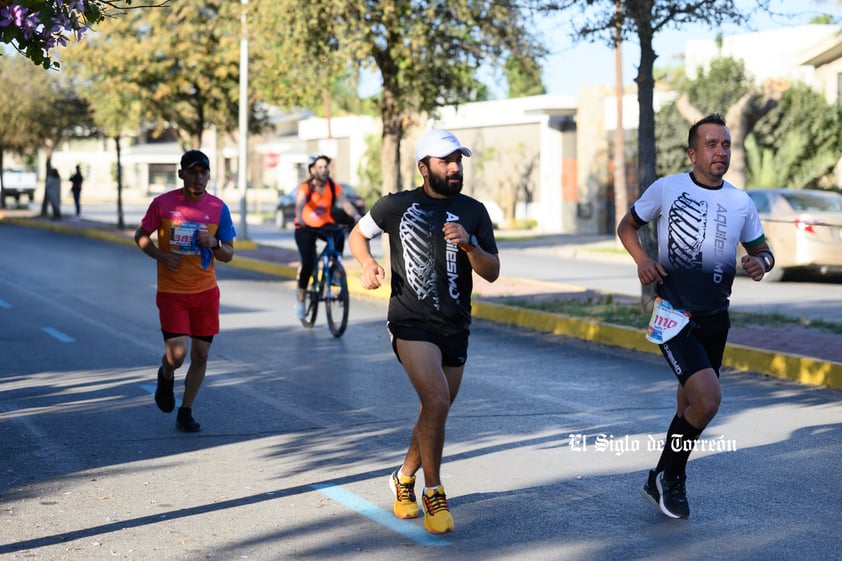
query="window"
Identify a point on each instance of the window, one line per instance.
(162, 177)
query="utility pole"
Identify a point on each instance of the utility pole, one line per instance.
(242, 166)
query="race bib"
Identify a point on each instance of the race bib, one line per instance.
(183, 238)
(666, 322)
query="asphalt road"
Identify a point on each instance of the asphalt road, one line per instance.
(547, 445)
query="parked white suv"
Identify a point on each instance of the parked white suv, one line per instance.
(17, 182)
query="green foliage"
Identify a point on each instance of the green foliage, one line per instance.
(671, 141)
(524, 77)
(370, 173)
(797, 144)
(720, 86)
(713, 90)
(179, 64)
(425, 55)
(20, 122)
(35, 28)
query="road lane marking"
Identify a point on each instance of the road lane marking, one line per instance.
(380, 516)
(149, 388)
(64, 338)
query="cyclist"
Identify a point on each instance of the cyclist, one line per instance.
(315, 198)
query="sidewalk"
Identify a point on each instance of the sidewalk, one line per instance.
(804, 355)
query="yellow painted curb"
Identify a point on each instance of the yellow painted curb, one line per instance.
(106, 234)
(264, 267)
(801, 369)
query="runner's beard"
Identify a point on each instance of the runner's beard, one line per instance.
(443, 186)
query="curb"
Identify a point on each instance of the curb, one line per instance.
(796, 368)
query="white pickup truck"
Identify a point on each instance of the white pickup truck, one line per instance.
(17, 182)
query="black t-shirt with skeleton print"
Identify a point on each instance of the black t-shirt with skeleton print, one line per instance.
(431, 278)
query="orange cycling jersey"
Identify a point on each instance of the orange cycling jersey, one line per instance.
(317, 209)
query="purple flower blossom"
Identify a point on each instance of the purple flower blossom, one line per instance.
(12, 15)
(25, 30)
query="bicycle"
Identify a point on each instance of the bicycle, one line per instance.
(329, 284)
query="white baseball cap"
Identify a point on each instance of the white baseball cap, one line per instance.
(439, 143)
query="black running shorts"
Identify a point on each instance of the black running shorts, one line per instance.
(698, 346)
(454, 347)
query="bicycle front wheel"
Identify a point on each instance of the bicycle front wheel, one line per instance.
(337, 300)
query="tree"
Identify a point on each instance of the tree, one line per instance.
(713, 90)
(524, 77)
(600, 20)
(66, 115)
(797, 144)
(425, 55)
(179, 62)
(115, 112)
(34, 28)
(725, 87)
(20, 121)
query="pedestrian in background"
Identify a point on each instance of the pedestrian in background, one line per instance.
(701, 218)
(194, 230)
(53, 191)
(438, 238)
(76, 188)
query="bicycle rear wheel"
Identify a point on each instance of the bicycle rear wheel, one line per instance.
(337, 300)
(311, 299)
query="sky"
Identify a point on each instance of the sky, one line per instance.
(572, 66)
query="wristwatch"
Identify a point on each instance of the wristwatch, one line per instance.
(767, 261)
(470, 247)
(218, 244)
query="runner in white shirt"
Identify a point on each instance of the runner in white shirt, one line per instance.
(700, 220)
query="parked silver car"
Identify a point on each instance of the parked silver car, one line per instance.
(803, 228)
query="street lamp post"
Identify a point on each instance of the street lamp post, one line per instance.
(242, 175)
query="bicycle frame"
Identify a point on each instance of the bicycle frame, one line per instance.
(329, 285)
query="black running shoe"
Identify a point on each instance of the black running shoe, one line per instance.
(185, 421)
(164, 396)
(650, 490)
(673, 493)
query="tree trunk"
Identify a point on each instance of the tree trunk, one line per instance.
(742, 118)
(646, 145)
(2, 180)
(390, 156)
(390, 159)
(121, 224)
(621, 198)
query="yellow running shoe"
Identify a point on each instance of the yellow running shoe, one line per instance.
(437, 518)
(403, 488)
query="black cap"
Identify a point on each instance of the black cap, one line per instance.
(193, 158)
